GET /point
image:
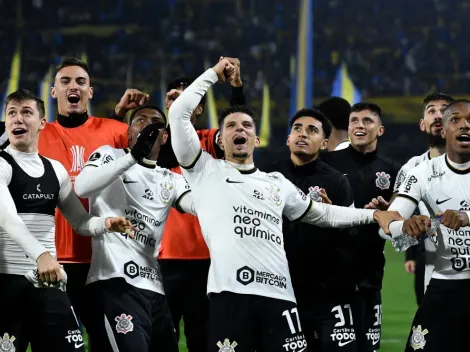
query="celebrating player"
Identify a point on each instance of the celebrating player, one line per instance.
(31, 187)
(442, 185)
(321, 266)
(240, 209)
(124, 284)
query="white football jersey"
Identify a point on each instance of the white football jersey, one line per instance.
(240, 213)
(143, 195)
(431, 242)
(439, 186)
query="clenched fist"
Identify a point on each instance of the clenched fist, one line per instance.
(131, 99)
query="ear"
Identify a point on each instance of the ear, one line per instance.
(129, 133)
(257, 142)
(381, 131)
(53, 93)
(443, 133)
(324, 144)
(421, 125)
(90, 93)
(199, 110)
(42, 123)
(164, 137)
(288, 140)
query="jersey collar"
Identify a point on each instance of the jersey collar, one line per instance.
(367, 157)
(74, 120)
(306, 169)
(462, 171)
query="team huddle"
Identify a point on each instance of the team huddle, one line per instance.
(164, 222)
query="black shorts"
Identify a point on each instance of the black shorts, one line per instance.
(327, 326)
(442, 322)
(121, 317)
(254, 323)
(43, 317)
(367, 315)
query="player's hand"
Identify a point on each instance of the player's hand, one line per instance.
(384, 218)
(120, 224)
(417, 225)
(225, 70)
(410, 266)
(48, 269)
(145, 141)
(237, 81)
(171, 96)
(324, 196)
(453, 219)
(131, 99)
(378, 203)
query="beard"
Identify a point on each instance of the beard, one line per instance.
(436, 140)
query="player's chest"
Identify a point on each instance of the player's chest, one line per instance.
(311, 186)
(452, 193)
(370, 181)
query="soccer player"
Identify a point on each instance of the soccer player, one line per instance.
(337, 110)
(321, 266)
(441, 184)
(124, 284)
(252, 303)
(3, 136)
(371, 176)
(70, 140)
(420, 258)
(184, 258)
(31, 187)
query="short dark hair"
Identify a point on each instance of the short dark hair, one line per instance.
(317, 115)
(363, 105)
(71, 61)
(23, 94)
(454, 102)
(234, 109)
(337, 110)
(147, 106)
(184, 82)
(433, 97)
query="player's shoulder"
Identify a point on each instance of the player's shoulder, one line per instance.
(415, 161)
(333, 176)
(429, 167)
(59, 169)
(206, 133)
(388, 163)
(104, 122)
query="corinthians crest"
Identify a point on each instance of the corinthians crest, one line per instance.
(383, 180)
(314, 194)
(417, 340)
(165, 193)
(274, 195)
(6, 343)
(227, 346)
(124, 324)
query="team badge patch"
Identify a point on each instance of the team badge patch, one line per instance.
(94, 156)
(227, 346)
(6, 343)
(165, 193)
(274, 195)
(124, 324)
(417, 340)
(383, 180)
(314, 194)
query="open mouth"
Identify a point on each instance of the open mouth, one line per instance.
(301, 143)
(464, 138)
(437, 125)
(73, 98)
(360, 134)
(239, 140)
(18, 131)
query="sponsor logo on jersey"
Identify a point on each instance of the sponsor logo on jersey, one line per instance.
(106, 159)
(124, 324)
(373, 335)
(436, 174)
(314, 194)
(301, 193)
(246, 276)
(409, 182)
(248, 222)
(417, 340)
(6, 343)
(78, 158)
(274, 195)
(383, 180)
(165, 192)
(73, 337)
(132, 270)
(464, 206)
(94, 156)
(295, 344)
(39, 195)
(227, 346)
(148, 194)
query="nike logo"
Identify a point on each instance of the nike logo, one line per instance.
(78, 345)
(442, 201)
(341, 343)
(229, 181)
(128, 181)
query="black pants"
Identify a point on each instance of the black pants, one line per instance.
(419, 279)
(327, 323)
(254, 323)
(442, 322)
(43, 317)
(76, 279)
(367, 314)
(124, 318)
(185, 283)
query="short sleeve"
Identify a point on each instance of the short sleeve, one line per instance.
(411, 188)
(297, 203)
(101, 156)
